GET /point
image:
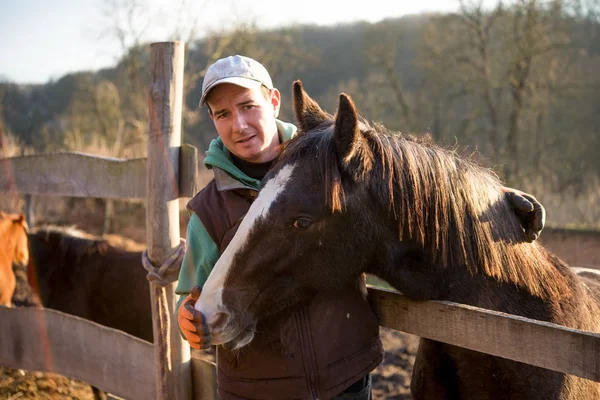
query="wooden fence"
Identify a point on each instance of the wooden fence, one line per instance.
(50, 341)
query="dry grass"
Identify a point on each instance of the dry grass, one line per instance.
(570, 208)
(100, 146)
(12, 146)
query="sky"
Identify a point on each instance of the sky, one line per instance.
(43, 40)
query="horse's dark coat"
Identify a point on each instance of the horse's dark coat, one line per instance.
(433, 224)
(90, 278)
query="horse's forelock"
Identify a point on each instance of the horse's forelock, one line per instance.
(317, 151)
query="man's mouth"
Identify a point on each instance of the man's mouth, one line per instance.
(246, 139)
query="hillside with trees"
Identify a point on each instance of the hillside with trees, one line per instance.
(517, 85)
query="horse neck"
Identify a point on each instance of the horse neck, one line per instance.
(413, 274)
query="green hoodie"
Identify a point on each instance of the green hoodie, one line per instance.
(202, 253)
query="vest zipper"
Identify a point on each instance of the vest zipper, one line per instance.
(310, 364)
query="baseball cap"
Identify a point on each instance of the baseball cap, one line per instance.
(238, 70)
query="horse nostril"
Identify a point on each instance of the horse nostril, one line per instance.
(219, 321)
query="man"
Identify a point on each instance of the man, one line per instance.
(313, 351)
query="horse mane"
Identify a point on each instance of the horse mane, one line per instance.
(445, 203)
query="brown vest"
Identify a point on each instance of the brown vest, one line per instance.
(313, 351)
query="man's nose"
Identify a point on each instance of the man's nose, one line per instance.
(239, 122)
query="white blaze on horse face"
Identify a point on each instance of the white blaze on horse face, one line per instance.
(211, 300)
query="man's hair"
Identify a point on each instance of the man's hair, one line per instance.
(265, 91)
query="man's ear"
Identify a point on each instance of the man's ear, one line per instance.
(276, 101)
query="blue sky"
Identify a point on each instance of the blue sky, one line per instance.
(45, 39)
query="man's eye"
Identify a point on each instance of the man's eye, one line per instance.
(302, 223)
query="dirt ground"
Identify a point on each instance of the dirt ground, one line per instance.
(391, 379)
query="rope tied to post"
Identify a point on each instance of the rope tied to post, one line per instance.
(168, 272)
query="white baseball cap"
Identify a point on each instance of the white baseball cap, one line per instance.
(238, 70)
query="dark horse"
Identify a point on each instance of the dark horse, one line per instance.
(88, 277)
(346, 198)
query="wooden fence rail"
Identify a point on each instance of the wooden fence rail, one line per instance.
(521, 339)
(85, 175)
(50, 341)
(44, 340)
(37, 339)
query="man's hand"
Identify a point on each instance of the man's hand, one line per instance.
(530, 211)
(192, 323)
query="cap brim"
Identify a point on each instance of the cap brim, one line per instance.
(238, 81)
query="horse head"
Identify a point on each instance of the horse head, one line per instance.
(313, 200)
(16, 232)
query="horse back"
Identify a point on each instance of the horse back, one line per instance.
(122, 293)
(93, 280)
(590, 279)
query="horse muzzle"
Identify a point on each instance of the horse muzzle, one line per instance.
(231, 332)
(227, 327)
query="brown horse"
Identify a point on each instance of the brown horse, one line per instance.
(86, 276)
(345, 198)
(13, 249)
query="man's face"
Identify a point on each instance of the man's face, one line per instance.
(245, 121)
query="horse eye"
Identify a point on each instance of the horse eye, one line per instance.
(302, 223)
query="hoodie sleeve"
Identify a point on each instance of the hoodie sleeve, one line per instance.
(199, 259)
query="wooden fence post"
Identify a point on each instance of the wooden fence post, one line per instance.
(29, 216)
(162, 213)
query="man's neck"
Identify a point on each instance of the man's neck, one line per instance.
(253, 170)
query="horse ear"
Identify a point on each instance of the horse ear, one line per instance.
(351, 146)
(2, 214)
(20, 219)
(308, 113)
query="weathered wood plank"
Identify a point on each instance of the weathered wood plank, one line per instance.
(204, 376)
(44, 340)
(521, 339)
(87, 175)
(171, 353)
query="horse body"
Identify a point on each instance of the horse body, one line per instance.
(443, 371)
(88, 277)
(13, 249)
(345, 198)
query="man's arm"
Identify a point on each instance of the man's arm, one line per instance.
(199, 259)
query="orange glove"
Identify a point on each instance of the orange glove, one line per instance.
(192, 323)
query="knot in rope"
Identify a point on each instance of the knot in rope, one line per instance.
(168, 272)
